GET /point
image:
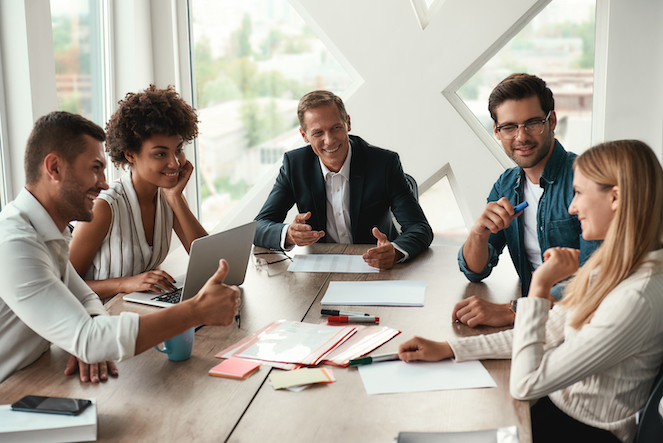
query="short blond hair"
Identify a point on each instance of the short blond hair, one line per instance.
(319, 98)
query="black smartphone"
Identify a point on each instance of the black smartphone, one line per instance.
(51, 405)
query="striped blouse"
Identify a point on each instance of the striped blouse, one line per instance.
(601, 374)
(124, 251)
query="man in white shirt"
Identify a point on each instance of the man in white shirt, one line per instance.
(44, 300)
(345, 190)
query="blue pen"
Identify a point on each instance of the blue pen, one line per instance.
(520, 207)
(517, 209)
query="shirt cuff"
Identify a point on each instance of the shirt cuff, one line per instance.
(402, 251)
(283, 236)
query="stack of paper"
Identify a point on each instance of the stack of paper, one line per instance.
(300, 378)
(289, 345)
(235, 368)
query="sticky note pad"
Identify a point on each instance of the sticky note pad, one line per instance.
(235, 368)
(299, 377)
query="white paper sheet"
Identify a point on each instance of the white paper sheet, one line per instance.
(397, 376)
(330, 263)
(375, 293)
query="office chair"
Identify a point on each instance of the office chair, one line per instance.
(413, 186)
(650, 428)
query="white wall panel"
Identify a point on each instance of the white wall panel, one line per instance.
(633, 89)
(28, 77)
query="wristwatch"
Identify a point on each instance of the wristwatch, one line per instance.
(514, 305)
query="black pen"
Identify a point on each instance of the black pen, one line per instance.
(348, 313)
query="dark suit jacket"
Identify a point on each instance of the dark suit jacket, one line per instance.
(377, 184)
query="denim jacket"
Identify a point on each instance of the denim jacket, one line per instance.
(555, 225)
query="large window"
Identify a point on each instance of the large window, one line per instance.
(254, 59)
(558, 46)
(79, 57)
(3, 195)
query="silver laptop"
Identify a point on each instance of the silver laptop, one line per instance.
(233, 245)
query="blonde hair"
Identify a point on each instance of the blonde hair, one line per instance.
(636, 227)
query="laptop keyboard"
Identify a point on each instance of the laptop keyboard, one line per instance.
(171, 297)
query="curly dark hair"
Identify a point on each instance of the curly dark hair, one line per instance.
(143, 114)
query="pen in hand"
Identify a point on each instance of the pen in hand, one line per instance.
(517, 209)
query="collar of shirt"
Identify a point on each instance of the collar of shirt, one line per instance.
(39, 217)
(45, 227)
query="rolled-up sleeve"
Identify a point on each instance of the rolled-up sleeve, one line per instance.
(67, 315)
(475, 277)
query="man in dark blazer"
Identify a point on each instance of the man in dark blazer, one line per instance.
(344, 189)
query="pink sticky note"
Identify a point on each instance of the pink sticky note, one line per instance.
(235, 368)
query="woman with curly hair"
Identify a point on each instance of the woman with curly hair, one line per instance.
(591, 360)
(129, 236)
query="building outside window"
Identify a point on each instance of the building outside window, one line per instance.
(558, 46)
(253, 61)
(79, 57)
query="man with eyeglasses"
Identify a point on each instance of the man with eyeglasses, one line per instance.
(522, 108)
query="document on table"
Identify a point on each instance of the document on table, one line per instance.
(365, 340)
(330, 263)
(301, 377)
(289, 342)
(375, 293)
(397, 376)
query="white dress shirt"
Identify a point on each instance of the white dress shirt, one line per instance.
(44, 300)
(337, 188)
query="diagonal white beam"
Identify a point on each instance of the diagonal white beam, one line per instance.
(398, 101)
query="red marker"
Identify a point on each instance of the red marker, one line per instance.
(352, 319)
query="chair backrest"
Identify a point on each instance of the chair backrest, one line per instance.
(413, 186)
(650, 428)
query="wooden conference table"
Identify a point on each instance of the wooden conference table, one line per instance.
(154, 399)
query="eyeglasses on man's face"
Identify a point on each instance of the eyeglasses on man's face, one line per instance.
(532, 127)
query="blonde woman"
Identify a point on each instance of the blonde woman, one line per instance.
(591, 360)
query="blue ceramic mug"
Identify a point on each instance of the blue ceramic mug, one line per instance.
(179, 347)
